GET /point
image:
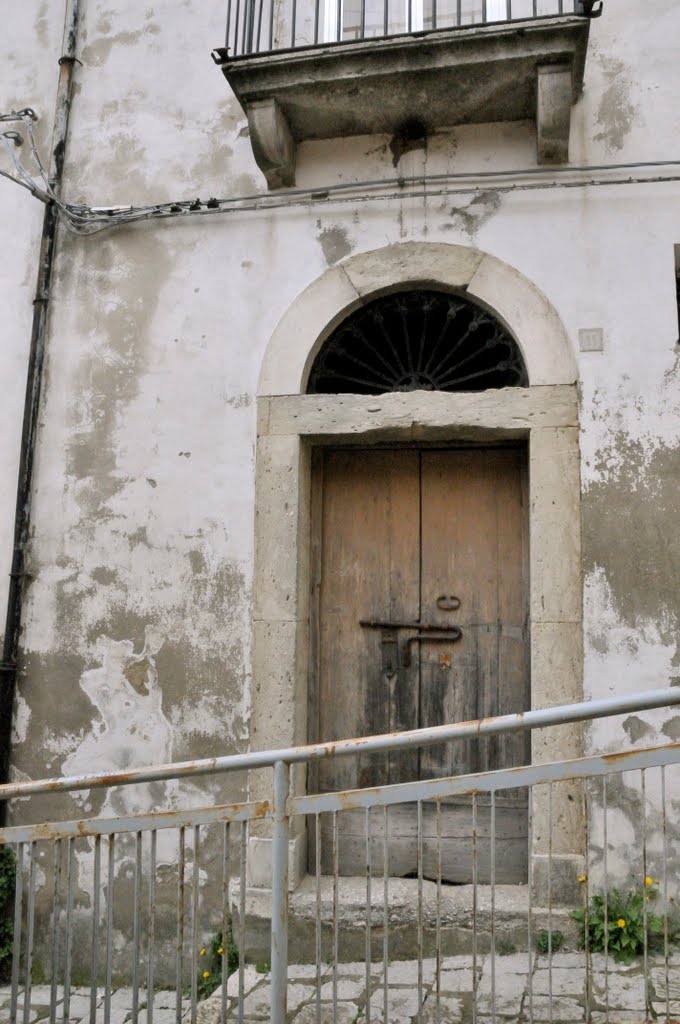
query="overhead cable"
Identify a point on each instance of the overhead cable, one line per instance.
(83, 219)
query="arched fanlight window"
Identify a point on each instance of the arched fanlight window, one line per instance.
(417, 341)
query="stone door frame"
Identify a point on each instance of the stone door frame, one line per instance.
(290, 424)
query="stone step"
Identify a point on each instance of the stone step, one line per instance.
(452, 917)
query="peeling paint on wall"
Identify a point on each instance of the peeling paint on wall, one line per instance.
(20, 721)
(641, 841)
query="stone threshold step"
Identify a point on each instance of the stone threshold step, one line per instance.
(462, 917)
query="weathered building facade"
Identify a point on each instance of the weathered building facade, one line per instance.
(172, 606)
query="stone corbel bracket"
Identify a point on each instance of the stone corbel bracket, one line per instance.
(554, 97)
(272, 142)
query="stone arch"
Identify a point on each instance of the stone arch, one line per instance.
(513, 298)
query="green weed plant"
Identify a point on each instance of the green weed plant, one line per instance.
(619, 923)
(210, 960)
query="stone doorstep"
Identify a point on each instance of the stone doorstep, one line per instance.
(510, 911)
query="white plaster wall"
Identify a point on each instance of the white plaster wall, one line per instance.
(144, 505)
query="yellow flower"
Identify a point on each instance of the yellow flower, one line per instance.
(206, 974)
(202, 953)
(220, 951)
(621, 923)
(651, 881)
(582, 879)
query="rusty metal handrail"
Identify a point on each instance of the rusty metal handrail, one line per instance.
(526, 720)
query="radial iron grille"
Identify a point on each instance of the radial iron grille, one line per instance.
(417, 341)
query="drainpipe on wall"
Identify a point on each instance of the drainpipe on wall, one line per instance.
(22, 515)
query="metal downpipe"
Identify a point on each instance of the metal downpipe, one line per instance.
(34, 379)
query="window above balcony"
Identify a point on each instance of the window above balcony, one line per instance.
(319, 69)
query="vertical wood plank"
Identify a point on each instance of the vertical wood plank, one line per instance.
(513, 604)
(459, 558)
(474, 547)
(370, 571)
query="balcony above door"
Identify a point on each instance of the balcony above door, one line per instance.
(319, 69)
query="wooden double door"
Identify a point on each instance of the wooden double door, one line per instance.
(420, 617)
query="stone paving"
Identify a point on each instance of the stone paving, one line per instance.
(79, 1009)
(555, 995)
(559, 995)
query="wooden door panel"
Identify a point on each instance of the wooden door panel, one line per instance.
(398, 531)
(370, 569)
(473, 547)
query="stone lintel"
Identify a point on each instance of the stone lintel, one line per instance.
(407, 417)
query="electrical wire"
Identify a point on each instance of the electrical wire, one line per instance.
(83, 219)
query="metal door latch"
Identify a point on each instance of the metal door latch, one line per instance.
(437, 633)
(452, 634)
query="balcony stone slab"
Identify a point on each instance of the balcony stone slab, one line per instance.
(515, 71)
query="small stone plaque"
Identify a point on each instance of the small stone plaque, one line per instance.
(591, 339)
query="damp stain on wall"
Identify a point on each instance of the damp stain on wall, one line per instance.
(98, 50)
(471, 217)
(335, 243)
(616, 111)
(136, 643)
(627, 515)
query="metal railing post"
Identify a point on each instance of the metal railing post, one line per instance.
(279, 947)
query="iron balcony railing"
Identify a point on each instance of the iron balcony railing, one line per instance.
(263, 26)
(112, 916)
